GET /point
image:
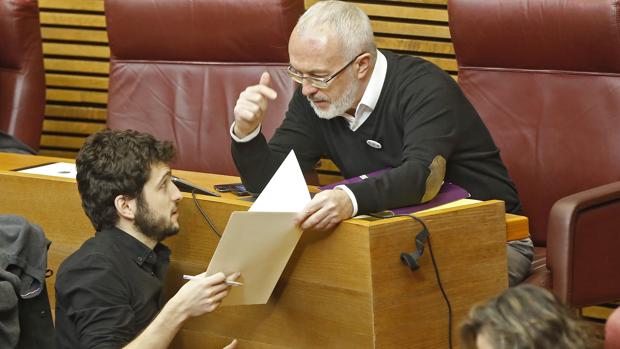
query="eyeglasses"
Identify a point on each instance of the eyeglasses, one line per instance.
(319, 83)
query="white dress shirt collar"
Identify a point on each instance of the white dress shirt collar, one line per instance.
(371, 94)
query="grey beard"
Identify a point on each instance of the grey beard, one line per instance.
(339, 106)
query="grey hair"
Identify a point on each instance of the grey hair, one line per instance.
(348, 22)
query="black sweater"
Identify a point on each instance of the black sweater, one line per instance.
(421, 113)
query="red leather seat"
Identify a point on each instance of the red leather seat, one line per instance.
(177, 69)
(545, 77)
(22, 78)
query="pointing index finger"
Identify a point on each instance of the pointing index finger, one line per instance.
(264, 90)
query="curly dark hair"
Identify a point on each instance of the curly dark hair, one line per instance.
(112, 163)
(527, 317)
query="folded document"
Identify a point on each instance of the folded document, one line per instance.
(259, 243)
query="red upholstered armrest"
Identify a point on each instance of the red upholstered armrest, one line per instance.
(582, 245)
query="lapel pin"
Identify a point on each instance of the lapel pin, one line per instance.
(374, 144)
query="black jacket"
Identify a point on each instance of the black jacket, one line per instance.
(24, 301)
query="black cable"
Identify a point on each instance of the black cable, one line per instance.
(430, 248)
(204, 214)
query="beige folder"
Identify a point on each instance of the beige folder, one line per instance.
(257, 244)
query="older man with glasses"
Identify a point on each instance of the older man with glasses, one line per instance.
(369, 110)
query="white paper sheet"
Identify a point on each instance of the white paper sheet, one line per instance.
(287, 190)
(57, 169)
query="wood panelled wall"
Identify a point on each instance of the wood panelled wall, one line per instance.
(76, 53)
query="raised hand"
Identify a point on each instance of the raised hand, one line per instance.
(252, 105)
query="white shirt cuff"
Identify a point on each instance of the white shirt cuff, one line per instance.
(351, 197)
(245, 139)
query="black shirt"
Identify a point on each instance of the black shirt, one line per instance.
(421, 114)
(108, 291)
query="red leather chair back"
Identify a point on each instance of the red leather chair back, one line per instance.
(545, 77)
(177, 69)
(22, 78)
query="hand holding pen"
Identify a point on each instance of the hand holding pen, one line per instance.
(203, 294)
(227, 282)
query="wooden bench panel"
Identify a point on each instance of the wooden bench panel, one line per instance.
(69, 154)
(72, 34)
(75, 112)
(412, 29)
(55, 141)
(76, 81)
(79, 96)
(76, 66)
(405, 12)
(90, 5)
(76, 50)
(73, 19)
(74, 127)
(426, 46)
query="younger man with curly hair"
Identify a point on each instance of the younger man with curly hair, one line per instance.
(109, 292)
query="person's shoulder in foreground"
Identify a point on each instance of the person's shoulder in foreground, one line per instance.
(526, 317)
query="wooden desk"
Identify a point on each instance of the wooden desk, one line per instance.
(342, 289)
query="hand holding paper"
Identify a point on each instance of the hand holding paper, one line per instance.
(325, 210)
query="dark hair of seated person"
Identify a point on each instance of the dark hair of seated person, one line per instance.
(526, 317)
(113, 162)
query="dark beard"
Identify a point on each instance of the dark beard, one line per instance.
(150, 226)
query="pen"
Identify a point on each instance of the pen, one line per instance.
(231, 283)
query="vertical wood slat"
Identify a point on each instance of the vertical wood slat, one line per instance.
(89, 5)
(76, 57)
(76, 54)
